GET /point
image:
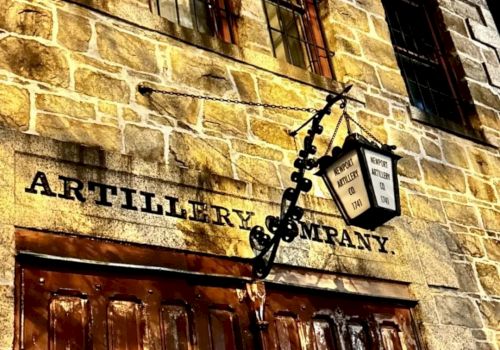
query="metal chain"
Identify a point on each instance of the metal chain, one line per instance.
(363, 128)
(335, 132)
(147, 89)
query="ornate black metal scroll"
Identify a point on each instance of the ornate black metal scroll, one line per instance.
(285, 226)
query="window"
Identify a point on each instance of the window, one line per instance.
(429, 80)
(212, 17)
(297, 36)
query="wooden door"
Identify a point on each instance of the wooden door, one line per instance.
(102, 308)
(305, 319)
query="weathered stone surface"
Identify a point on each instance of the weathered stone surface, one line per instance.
(130, 115)
(426, 208)
(126, 49)
(392, 81)
(207, 155)
(458, 311)
(6, 316)
(441, 337)
(95, 63)
(33, 60)
(473, 69)
(203, 73)
(454, 22)
(488, 276)
(491, 313)
(181, 109)
(484, 34)
(349, 67)
(376, 104)
(440, 175)
(431, 148)
(146, 143)
(404, 140)
(465, 45)
(488, 117)
(466, 278)
(256, 170)
(493, 74)
(408, 166)
(455, 154)
(341, 44)
(101, 85)
(74, 31)
(492, 248)
(469, 245)
(71, 130)
(64, 105)
(401, 115)
(349, 15)
(378, 51)
(275, 92)
(226, 118)
(484, 95)
(256, 150)
(273, 133)
(15, 107)
(462, 214)
(481, 189)
(245, 84)
(108, 108)
(381, 28)
(491, 219)
(25, 19)
(483, 163)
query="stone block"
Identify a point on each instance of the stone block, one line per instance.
(349, 67)
(443, 176)
(25, 19)
(74, 31)
(257, 171)
(455, 154)
(203, 73)
(381, 28)
(488, 117)
(130, 115)
(492, 248)
(490, 310)
(272, 133)
(101, 85)
(404, 140)
(484, 163)
(491, 219)
(146, 143)
(6, 316)
(377, 105)
(340, 44)
(466, 278)
(253, 149)
(484, 34)
(277, 92)
(462, 214)
(392, 81)
(349, 15)
(481, 189)
(454, 22)
(206, 155)
(182, 109)
(73, 130)
(426, 208)
(473, 69)
(64, 105)
(95, 63)
(228, 119)
(431, 148)
(378, 51)
(469, 245)
(32, 60)
(466, 46)
(245, 84)
(108, 108)
(127, 49)
(493, 74)
(484, 95)
(458, 311)
(488, 276)
(15, 107)
(408, 166)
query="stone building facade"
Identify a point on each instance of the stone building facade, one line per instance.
(70, 107)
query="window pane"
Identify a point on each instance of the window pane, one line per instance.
(272, 14)
(278, 44)
(202, 19)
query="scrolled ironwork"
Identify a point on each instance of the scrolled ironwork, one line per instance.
(285, 226)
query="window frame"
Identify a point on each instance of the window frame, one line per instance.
(463, 125)
(311, 35)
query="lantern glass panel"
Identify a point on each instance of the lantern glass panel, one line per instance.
(381, 177)
(346, 179)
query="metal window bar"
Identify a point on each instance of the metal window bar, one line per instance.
(305, 31)
(422, 63)
(212, 17)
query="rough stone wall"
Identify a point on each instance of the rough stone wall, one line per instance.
(71, 74)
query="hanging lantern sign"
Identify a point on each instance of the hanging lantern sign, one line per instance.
(362, 179)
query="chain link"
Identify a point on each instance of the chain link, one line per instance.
(364, 129)
(147, 89)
